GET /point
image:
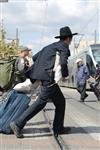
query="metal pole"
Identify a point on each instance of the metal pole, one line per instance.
(95, 39)
(17, 39)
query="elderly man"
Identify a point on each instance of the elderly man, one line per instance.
(43, 70)
(82, 76)
(21, 64)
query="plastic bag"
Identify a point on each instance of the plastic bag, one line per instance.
(27, 86)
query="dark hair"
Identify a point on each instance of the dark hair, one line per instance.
(63, 38)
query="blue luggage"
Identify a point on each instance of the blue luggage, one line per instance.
(13, 104)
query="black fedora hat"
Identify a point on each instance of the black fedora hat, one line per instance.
(65, 32)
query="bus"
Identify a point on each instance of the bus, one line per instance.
(90, 56)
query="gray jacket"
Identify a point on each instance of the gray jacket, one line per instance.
(82, 74)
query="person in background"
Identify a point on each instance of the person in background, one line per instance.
(21, 65)
(82, 76)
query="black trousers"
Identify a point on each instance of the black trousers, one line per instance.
(47, 92)
(81, 88)
(96, 88)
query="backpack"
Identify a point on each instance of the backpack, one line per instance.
(6, 73)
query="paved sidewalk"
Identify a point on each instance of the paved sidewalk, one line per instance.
(83, 118)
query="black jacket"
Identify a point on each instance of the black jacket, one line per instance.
(45, 59)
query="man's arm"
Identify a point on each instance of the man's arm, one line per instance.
(63, 58)
(19, 65)
(86, 71)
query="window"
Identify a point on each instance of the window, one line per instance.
(90, 65)
(96, 55)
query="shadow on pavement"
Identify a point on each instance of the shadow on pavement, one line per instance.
(89, 129)
(90, 100)
(36, 123)
(36, 130)
(74, 130)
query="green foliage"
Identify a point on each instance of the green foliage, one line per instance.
(7, 49)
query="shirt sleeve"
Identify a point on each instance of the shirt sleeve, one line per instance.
(21, 65)
(86, 71)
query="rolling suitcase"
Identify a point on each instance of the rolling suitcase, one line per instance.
(12, 105)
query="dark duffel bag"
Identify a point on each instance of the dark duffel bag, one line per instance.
(96, 89)
(12, 105)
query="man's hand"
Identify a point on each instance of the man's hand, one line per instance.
(90, 80)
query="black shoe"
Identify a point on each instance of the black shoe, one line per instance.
(64, 130)
(98, 98)
(86, 95)
(16, 130)
(81, 100)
